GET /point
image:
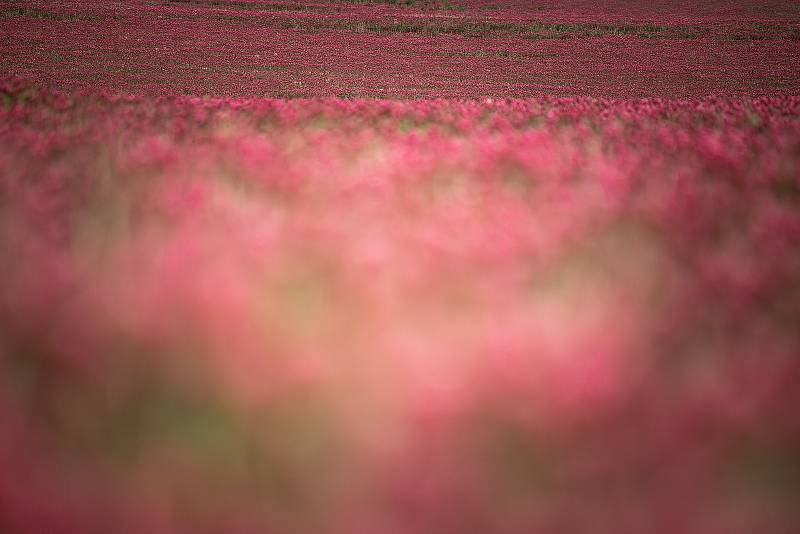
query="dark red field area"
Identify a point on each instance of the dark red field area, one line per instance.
(386, 50)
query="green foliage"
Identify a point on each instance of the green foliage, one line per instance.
(46, 15)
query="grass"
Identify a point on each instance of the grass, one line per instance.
(485, 29)
(528, 30)
(40, 14)
(253, 6)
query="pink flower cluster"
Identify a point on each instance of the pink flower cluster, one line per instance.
(336, 316)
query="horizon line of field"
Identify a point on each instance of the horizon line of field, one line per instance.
(531, 29)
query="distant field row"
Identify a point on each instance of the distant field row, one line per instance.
(387, 51)
(319, 18)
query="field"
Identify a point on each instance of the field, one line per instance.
(399, 266)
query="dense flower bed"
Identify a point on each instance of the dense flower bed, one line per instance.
(451, 316)
(271, 48)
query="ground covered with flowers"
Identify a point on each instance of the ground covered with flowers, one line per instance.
(406, 48)
(226, 313)
(373, 316)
